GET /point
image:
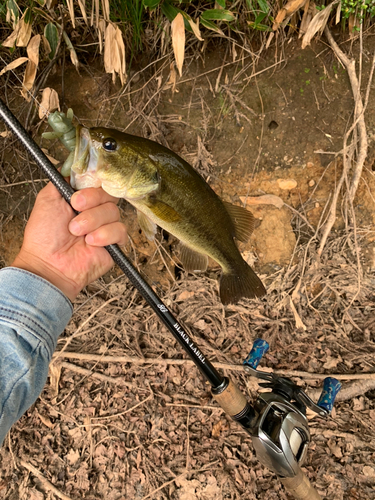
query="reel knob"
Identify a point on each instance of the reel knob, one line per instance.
(331, 387)
(260, 347)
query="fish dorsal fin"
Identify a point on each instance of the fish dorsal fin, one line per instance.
(192, 260)
(242, 219)
(162, 210)
(147, 225)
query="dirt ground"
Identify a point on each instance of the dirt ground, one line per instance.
(124, 414)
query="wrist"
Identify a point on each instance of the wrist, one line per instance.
(38, 267)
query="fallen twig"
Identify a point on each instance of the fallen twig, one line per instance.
(223, 366)
(99, 376)
(45, 483)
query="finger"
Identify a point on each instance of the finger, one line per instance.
(92, 219)
(50, 199)
(90, 197)
(108, 234)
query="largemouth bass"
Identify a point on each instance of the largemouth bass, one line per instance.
(168, 192)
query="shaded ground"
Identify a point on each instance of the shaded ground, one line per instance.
(149, 428)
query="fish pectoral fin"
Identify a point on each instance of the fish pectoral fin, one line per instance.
(192, 260)
(143, 182)
(242, 219)
(162, 210)
(148, 227)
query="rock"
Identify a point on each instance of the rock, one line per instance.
(287, 183)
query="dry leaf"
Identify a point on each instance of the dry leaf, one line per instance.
(46, 45)
(114, 53)
(11, 40)
(308, 14)
(121, 51)
(178, 40)
(72, 457)
(332, 362)
(6, 133)
(55, 374)
(287, 11)
(81, 4)
(72, 50)
(14, 64)
(218, 428)
(200, 324)
(21, 34)
(195, 27)
(71, 12)
(335, 448)
(172, 79)
(109, 50)
(338, 13)
(318, 23)
(368, 471)
(24, 34)
(105, 7)
(287, 183)
(51, 159)
(185, 295)
(34, 494)
(101, 31)
(187, 488)
(50, 102)
(46, 421)
(266, 199)
(32, 66)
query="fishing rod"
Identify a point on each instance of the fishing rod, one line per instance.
(277, 422)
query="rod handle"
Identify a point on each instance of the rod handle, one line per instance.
(260, 347)
(230, 398)
(300, 487)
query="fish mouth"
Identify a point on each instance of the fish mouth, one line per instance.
(85, 162)
(82, 150)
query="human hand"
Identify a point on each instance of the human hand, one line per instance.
(67, 249)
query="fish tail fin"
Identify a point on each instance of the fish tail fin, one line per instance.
(239, 283)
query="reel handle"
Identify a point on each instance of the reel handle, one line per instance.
(260, 347)
(331, 387)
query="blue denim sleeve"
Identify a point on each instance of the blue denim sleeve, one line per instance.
(33, 313)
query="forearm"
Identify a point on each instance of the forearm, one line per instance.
(33, 313)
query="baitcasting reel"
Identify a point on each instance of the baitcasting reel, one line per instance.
(280, 433)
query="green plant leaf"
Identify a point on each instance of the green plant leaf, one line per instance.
(52, 35)
(169, 10)
(260, 18)
(264, 7)
(12, 7)
(211, 26)
(151, 4)
(259, 27)
(221, 3)
(218, 15)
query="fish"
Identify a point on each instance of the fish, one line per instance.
(167, 192)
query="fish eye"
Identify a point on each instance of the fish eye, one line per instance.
(109, 144)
